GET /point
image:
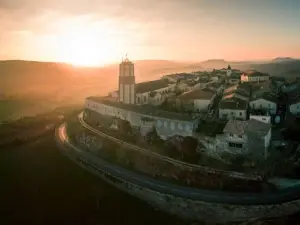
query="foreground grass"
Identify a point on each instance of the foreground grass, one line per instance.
(39, 185)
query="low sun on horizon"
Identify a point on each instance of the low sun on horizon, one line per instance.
(87, 48)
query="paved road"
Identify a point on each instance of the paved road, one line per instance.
(165, 158)
(172, 189)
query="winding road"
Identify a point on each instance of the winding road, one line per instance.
(76, 154)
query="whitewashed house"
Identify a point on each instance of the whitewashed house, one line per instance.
(264, 101)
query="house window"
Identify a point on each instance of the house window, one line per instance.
(179, 126)
(159, 123)
(145, 99)
(231, 135)
(241, 113)
(235, 145)
(240, 136)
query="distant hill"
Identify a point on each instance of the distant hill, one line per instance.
(287, 68)
(283, 59)
(59, 81)
(215, 64)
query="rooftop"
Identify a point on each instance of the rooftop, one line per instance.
(264, 95)
(251, 126)
(197, 94)
(235, 94)
(258, 127)
(253, 73)
(233, 103)
(240, 89)
(235, 126)
(144, 109)
(151, 85)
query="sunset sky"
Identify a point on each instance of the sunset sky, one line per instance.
(97, 32)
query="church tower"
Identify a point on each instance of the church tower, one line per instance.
(229, 71)
(126, 82)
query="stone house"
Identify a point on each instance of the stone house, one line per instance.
(245, 138)
(233, 108)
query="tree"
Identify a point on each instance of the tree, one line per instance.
(188, 149)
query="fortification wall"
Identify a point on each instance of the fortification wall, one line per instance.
(188, 208)
(192, 209)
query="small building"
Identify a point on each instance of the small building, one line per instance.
(246, 138)
(233, 108)
(264, 101)
(254, 76)
(294, 107)
(196, 100)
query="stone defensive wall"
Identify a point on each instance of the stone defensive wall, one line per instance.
(188, 203)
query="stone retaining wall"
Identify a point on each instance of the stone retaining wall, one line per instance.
(192, 209)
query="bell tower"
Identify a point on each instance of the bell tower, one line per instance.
(229, 71)
(126, 82)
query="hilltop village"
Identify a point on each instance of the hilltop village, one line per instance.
(224, 119)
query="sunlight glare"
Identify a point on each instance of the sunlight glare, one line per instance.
(87, 48)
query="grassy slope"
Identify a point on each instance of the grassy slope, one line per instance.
(11, 109)
(41, 186)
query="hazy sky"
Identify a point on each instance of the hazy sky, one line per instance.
(101, 31)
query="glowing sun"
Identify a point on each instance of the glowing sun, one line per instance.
(86, 49)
